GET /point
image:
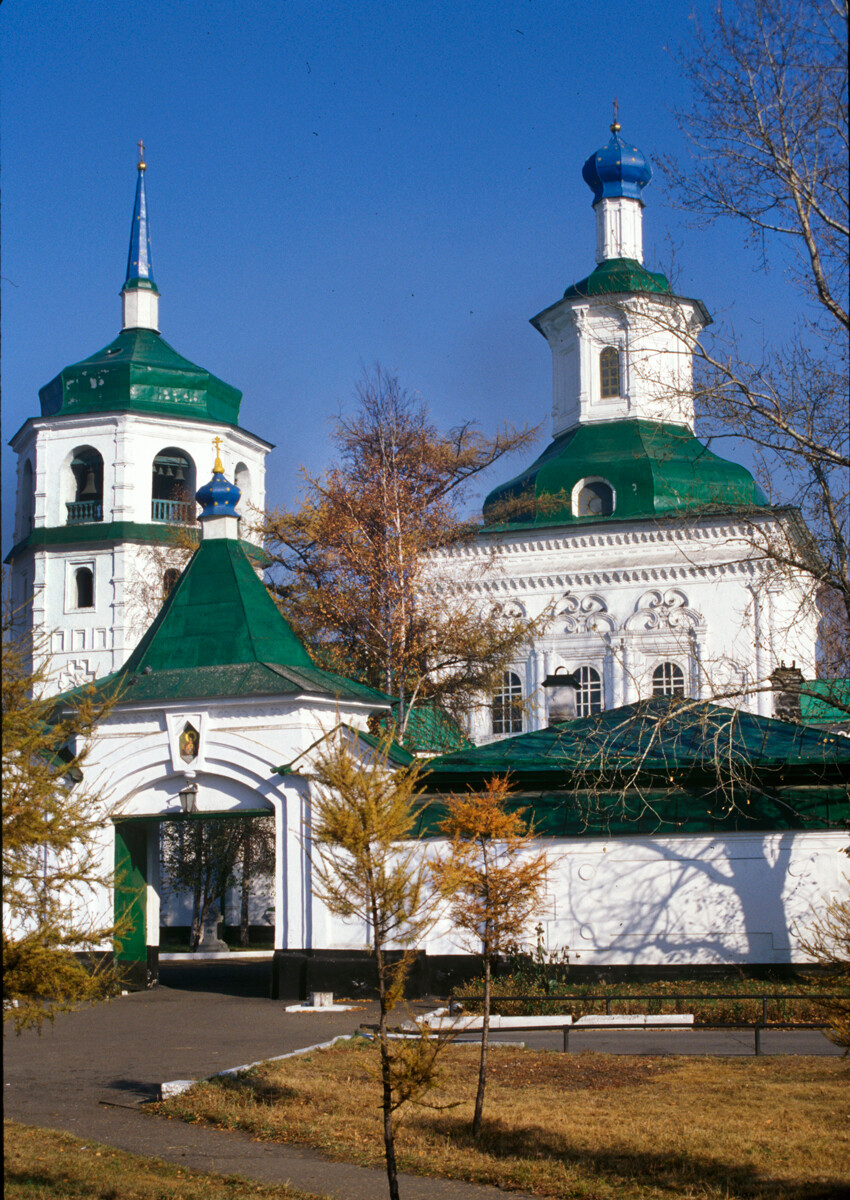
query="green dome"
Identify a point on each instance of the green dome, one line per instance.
(655, 470)
(140, 372)
(616, 275)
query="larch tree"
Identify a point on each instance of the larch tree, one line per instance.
(769, 136)
(494, 882)
(367, 868)
(350, 564)
(52, 853)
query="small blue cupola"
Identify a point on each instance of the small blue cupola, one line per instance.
(616, 170)
(218, 500)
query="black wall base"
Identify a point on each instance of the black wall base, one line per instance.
(352, 973)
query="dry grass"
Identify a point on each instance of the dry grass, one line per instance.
(601, 1127)
(41, 1164)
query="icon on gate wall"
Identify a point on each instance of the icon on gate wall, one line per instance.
(189, 743)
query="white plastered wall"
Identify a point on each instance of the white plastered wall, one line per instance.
(95, 641)
(135, 768)
(654, 338)
(625, 598)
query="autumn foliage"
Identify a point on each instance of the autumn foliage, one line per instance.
(351, 565)
(494, 882)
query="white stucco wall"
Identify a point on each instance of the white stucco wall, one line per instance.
(89, 642)
(625, 597)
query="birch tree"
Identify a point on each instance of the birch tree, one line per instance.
(350, 563)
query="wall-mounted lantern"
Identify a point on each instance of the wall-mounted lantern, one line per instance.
(189, 797)
(562, 688)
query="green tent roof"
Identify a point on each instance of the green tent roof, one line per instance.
(140, 372)
(219, 634)
(654, 469)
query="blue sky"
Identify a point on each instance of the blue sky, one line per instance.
(333, 184)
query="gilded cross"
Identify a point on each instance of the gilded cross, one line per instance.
(616, 123)
(218, 468)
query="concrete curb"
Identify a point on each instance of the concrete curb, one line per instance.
(176, 1087)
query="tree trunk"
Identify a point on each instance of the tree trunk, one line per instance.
(482, 1067)
(386, 1081)
(197, 915)
(245, 890)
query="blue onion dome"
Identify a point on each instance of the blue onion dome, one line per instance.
(219, 497)
(616, 169)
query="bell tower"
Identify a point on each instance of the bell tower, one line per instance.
(106, 511)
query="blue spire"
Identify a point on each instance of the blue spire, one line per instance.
(139, 265)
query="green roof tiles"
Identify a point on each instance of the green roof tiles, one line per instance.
(654, 469)
(140, 372)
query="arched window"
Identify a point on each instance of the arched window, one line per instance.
(609, 372)
(595, 499)
(84, 587)
(242, 479)
(668, 679)
(169, 577)
(173, 487)
(589, 694)
(507, 705)
(87, 469)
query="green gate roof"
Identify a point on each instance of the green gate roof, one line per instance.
(654, 469)
(219, 633)
(140, 372)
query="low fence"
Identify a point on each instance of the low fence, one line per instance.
(757, 1028)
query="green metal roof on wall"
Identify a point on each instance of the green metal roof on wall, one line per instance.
(664, 735)
(616, 275)
(825, 702)
(654, 469)
(662, 765)
(219, 634)
(140, 372)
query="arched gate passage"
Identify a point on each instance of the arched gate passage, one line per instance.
(137, 889)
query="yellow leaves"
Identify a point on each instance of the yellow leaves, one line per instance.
(492, 878)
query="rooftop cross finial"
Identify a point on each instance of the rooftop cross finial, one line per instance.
(615, 125)
(142, 163)
(218, 466)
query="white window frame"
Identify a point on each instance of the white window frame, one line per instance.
(71, 568)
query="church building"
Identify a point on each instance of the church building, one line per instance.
(646, 556)
(638, 545)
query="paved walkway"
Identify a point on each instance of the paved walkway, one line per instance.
(89, 1072)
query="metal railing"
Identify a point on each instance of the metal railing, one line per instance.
(670, 998)
(175, 512)
(757, 1028)
(83, 512)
